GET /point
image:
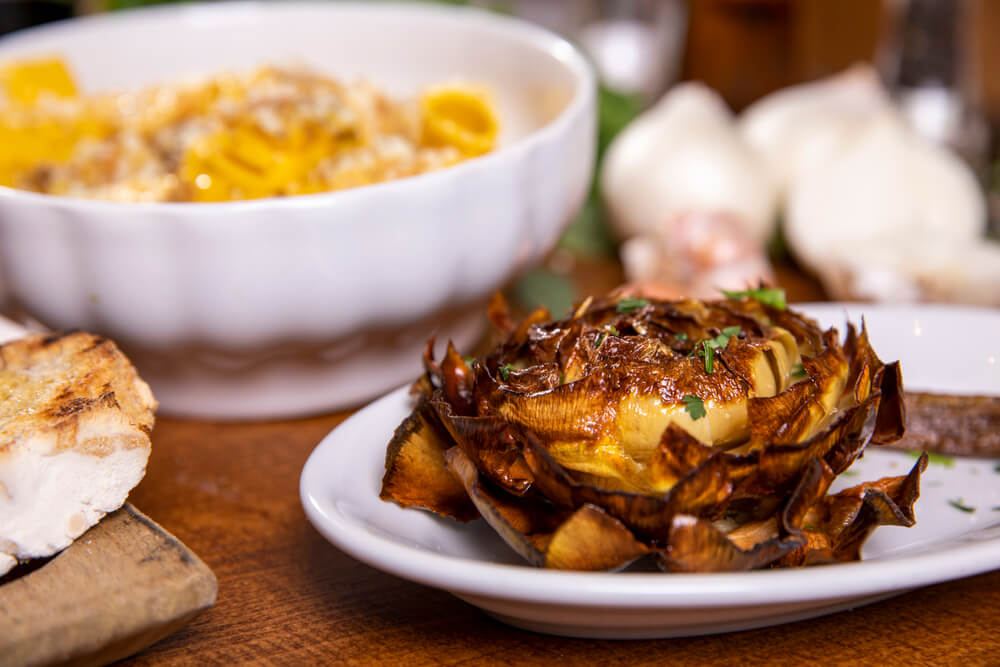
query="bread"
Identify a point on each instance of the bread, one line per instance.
(75, 425)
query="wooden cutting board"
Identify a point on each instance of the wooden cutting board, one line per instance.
(123, 585)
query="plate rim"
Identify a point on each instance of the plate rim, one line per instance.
(641, 590)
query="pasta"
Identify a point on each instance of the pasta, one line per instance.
(269, 132)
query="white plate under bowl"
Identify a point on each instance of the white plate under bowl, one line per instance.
(341, 480)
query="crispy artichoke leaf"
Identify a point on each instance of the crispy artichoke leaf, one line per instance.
(839, 444)
(695, 545)
(852, 514)
(457, 381)
(890, 425)
(677, 454)
(591, 539)
(520, 522)
(703, 492)
(416, 474)
(491, 444)
(698, 546)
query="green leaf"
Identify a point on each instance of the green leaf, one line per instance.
(628, 304)
(959, 505)
(615, 110)
(771, 296)
(681, 336)
(542, 287)
(799, 371)
(613, 331)
(505, 371)
(588, 233)
(694, 406)
(709, 357)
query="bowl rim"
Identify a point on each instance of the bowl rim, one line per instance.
(547, 42)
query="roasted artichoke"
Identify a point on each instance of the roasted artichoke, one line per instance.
(702, 434)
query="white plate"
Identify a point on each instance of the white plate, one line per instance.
(941, 348)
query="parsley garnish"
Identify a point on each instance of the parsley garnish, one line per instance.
(810, 527)
(628, 304)
(771, 296)
(681, 336)
(613, 330)
(941, 459)
(799, 371)
(694, 406)
(505, 371)
(469, 360)
(600, 339)
(959, 505)
(709, 346)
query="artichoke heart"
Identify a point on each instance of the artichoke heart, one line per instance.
(703, 433)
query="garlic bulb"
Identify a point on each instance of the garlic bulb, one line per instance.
(684, 154)
(890, 216)
(798, 128)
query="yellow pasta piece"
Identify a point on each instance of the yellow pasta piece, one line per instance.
(24, 81)
(459, 116)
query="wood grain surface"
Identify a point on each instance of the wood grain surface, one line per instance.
(121, 586)
(286, 596)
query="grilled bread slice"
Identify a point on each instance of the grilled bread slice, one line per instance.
(75, 424)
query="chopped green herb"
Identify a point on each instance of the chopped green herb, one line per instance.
(770, 296)
(505, 371)
(959, 505)
(627, 305)
(940, 459)
(811, 527)
(850, 473)
(600, 339)
(799, 371)
(694, 406)
(681, 336)
(469, 360)
(709, 353)
(719, 342)
(614, 331)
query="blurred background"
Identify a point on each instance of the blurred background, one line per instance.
(935, 58)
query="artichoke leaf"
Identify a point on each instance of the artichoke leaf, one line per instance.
(416, 474)
(591, 539)
(695, 545)
(854, 513)
(521, 524)
(491, 444)
(703, 492)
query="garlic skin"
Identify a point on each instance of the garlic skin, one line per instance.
(892, 217)
(694, 255)
(798, 128)
(684, 154)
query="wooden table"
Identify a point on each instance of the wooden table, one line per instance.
(287, 596)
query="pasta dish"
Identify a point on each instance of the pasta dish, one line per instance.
(268, 132)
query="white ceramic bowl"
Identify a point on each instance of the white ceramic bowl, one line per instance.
(283, 307)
